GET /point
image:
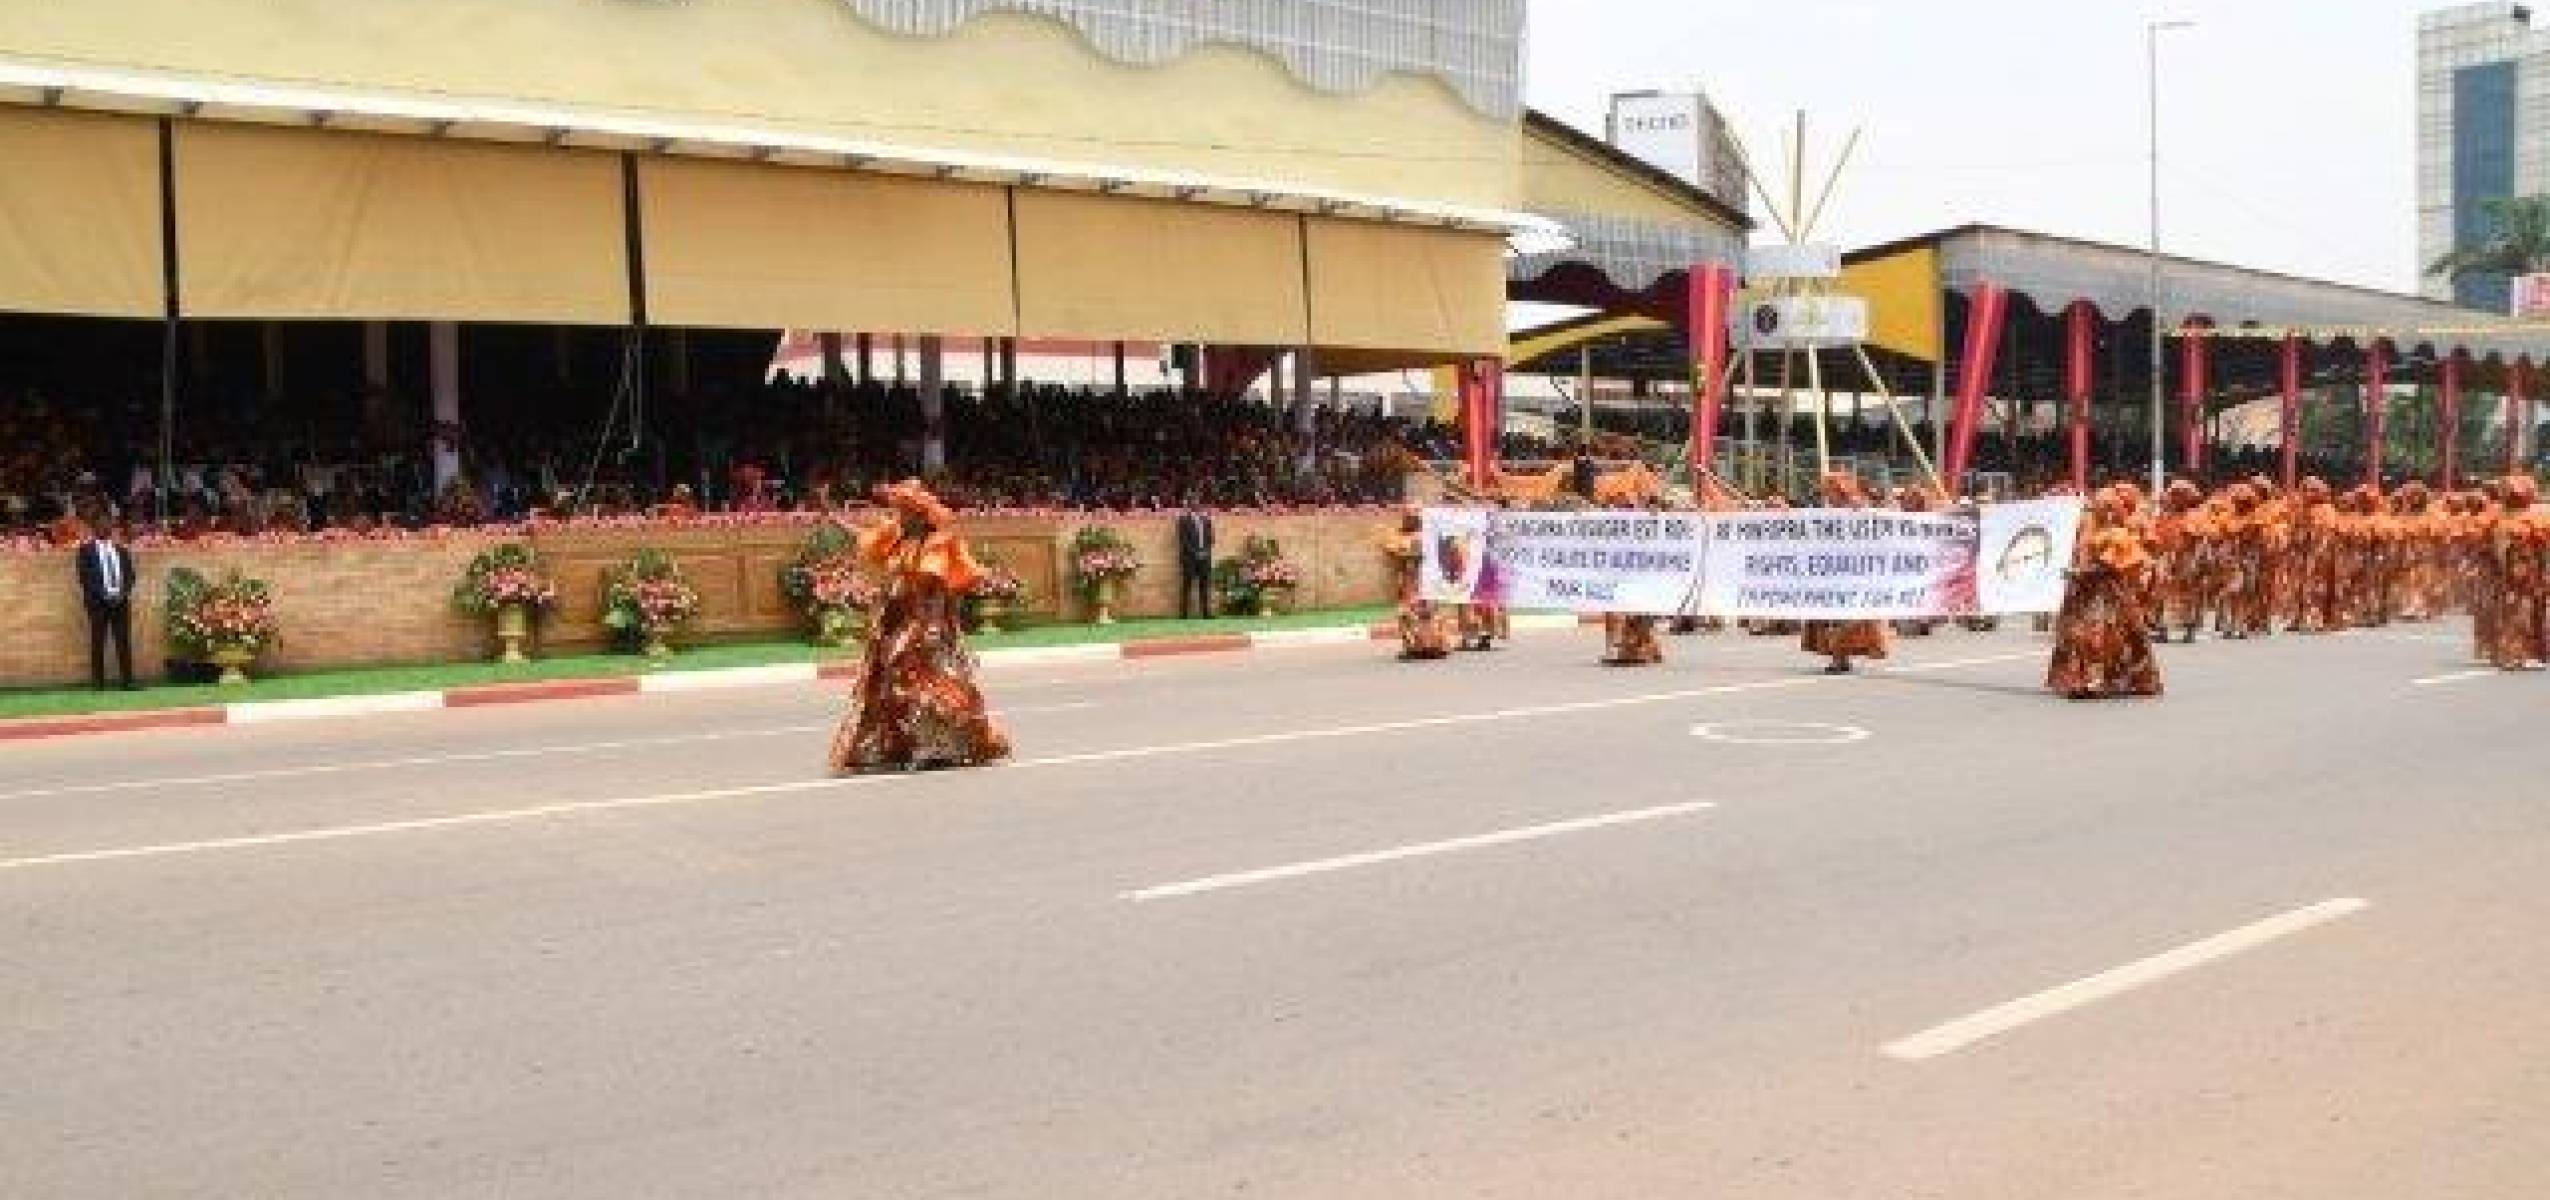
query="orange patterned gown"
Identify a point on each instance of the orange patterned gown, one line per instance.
(2102, 644)
(915, 705)
(2519, 549)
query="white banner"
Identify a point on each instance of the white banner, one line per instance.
(1838, 564)
(1800, 564)
(1593, 561)
(2026, 548)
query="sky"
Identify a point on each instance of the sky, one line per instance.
(2287, 126)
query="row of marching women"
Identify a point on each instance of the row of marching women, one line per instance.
(2253, 560)
(2249, 560)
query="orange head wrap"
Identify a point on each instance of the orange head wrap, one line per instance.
(910, 499)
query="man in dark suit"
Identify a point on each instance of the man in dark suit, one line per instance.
(106, 587)
(1195, 561)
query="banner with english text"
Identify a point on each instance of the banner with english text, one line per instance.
(1793, 564)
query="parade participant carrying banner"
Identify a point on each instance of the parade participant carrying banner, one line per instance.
(1800, 564)
(1626, 561)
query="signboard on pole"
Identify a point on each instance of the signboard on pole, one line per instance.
(2531, 295)
(1804, 322)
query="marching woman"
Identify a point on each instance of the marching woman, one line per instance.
(1842, 642)
(915, 706)
(2102, 644)
(2180, 537)
(2318, 601)
(2519, 553)
(1425, 633)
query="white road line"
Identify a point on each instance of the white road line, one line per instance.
(705, 796)
(1415, 723)
(343, 832)
(421, 760)
(1992, 1022)
(466, 756)
(2455, 677)
(1961, 663)
(1347, 862)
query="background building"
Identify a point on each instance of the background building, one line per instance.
(2483, 131)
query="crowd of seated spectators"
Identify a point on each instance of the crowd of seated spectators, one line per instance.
(785, 446)
(811, 444)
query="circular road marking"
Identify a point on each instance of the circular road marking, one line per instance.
(1780, 733)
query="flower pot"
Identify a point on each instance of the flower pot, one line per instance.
(658, 650)
(233, 661)
(1102, 601)
(838, 627)
(513, 628)
(991, 617)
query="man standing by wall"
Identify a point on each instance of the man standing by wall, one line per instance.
(106, 588)
(1195, 561)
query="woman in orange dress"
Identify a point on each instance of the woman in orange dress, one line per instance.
(915, 705)
(2317, 601)
(2417, 576)
(2178, 536)
(2101, 645)
(1841, 642)
(2519, 552)
(2240, 564)
(1425, 632)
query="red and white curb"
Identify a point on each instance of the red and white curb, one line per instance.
(265, 712)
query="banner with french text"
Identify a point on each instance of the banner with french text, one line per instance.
(1793, 564)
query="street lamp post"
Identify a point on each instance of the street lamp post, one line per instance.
(2160, 418)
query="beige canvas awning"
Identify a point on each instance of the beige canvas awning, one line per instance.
(751, 246)
(1402, 287)
(307, 223)
(79, 214)
(1115, 267)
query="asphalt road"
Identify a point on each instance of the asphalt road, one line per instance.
(1315, 924)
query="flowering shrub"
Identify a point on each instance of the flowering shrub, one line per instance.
(236, 613)
(510, 574)
(1259, 573)
(648, 598)
(826, 573)
(1101, 555)
(999, 585)
(839, 583)
(1271, 574)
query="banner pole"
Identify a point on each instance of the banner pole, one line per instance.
(1902, 429)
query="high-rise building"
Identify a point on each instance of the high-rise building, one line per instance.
(2483, 131)
(1683, 135)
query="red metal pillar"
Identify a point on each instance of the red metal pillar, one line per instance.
(2377, 382)
(2192, 361)
(2448, 435)
(2518, 412)
(1481, 382)
(1984, 317)
(1711, 288)
(2290, 418)
(2080, 342)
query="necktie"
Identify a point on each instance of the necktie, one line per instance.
(107, 571)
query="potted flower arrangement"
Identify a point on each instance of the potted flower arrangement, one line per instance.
(227, 623)
(1102, 560)
(996, 594)
(647, 601)
(826, 583)
(507, 582)
(1261, 581)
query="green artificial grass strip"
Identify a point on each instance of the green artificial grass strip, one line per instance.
(372, 681)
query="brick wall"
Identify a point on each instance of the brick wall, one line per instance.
(357, 603)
